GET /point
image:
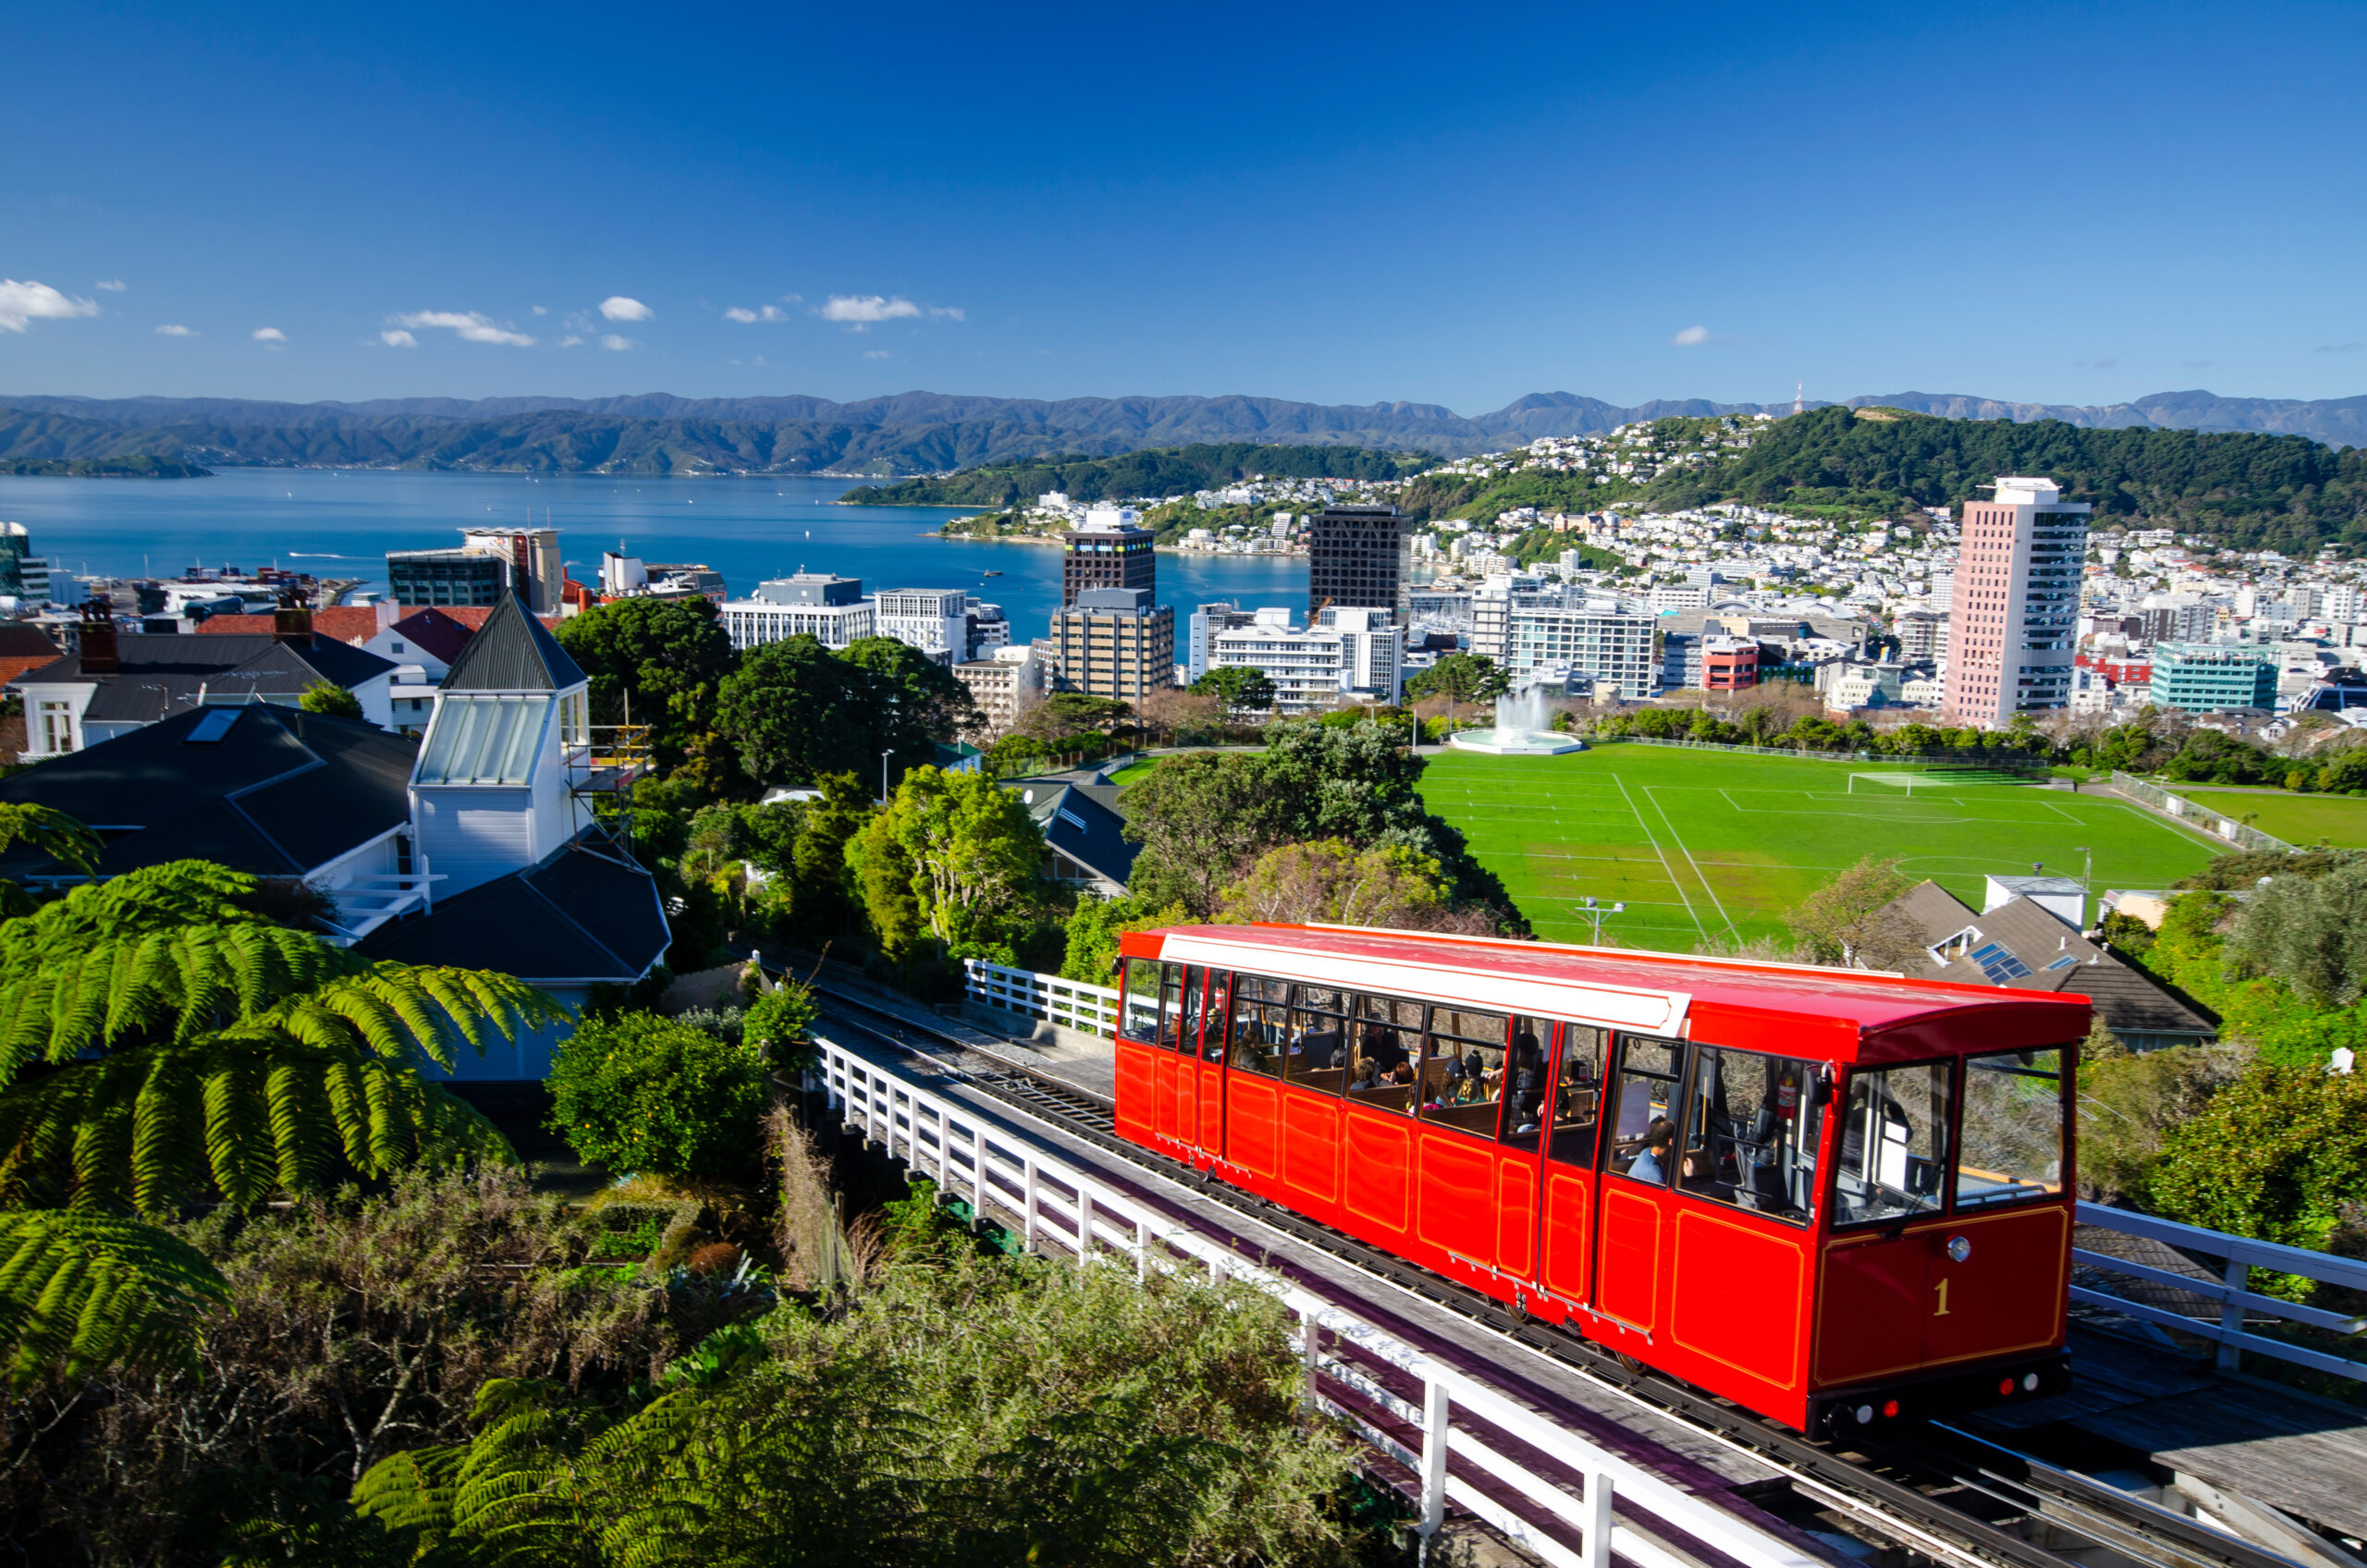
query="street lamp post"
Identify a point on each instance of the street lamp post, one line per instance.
(883, 774)
(1596, 912)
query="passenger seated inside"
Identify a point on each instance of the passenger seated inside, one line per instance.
(1364, 1075)
(1660, 1138)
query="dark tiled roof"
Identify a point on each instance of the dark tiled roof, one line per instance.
(2132, 1000)
(512, 652)
(579, 915)
(280, 793)
(1081, 820)
(22, 640)
(162, 674)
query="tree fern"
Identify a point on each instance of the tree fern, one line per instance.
(81, 1290)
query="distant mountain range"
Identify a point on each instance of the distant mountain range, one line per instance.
(932, 433)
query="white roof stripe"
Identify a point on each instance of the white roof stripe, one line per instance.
(1611, 1007)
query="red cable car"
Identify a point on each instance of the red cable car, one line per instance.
(1839, 1198)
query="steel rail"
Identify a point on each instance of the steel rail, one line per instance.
(1896, 1505)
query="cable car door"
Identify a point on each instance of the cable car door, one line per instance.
(1179, 1070)
(1565, 1225)
(1639, 1155)
(1216, 1035)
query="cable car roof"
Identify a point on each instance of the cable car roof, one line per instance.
(1848, 1016)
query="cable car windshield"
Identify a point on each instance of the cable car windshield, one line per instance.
(2013, 1129)
(1894, 1143)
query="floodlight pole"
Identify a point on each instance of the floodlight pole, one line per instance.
(1596, 912)
(2086, 877)
(883, 774)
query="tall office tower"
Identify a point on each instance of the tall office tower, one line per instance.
(1108, 552)
(1115, 642)
(2013, 621)
(1358, 558)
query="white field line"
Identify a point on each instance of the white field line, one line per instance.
(1666, 821)
(1646, 826)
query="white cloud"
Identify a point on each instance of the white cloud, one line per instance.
(21, 302)
(762, 312)
(269, 334)
(611, 341)
(617, 307)
(947, 310)
(111, 285)
(860, 311)
(395, 338)
(540, 311)
(1691, 336)
(470, 325)
(570, 341)
(877, 354)
(173, 331)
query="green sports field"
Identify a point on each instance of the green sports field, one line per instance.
(1708, 844)
(2299, 820)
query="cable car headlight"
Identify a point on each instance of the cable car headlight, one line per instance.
(1958, 1249)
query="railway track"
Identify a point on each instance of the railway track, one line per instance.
(1942, 1493)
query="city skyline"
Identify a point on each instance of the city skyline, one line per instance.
(1720, 204)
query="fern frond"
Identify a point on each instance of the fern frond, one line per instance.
(51, 831)
(79, 1292)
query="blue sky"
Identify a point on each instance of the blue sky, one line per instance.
(2068, 203)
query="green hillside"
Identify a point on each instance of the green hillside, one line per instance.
(2249, 492)
(134, 466)
(1163, 470)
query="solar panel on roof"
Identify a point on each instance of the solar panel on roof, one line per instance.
(210, 729)
(1999, 963)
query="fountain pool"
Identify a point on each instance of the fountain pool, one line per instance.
(1524, 729)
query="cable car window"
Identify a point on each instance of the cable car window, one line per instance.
(1316, 1056)
(1644, 1108)
(1577, 1095)
(1751, 1131)
(1894, 1143)
(1465, 1070)
(2013, 1129)
(1384, 1053)
(1215, 1031)
(1139, 1010)
(1525, 1075)
(1261, 1024)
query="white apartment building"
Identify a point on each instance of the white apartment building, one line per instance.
(1356, 653)
(1594, 644)
(2011, 623)
(1004, 685)
(935, 620)
(828, 608)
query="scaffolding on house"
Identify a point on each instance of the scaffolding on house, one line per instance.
(601, 772)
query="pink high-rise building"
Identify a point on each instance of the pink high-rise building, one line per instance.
(2013, 620)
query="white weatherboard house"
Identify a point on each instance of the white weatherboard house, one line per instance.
(474, 847)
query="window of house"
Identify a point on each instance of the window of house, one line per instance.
(482, 740)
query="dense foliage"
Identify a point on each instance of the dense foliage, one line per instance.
(636, 1092)
(1758, 724)
(335, 701)
(2248, 491)
(2279, 1154)
(954, 861)
(795, 711)
(1158, 470)
(1203, 817)
(660, 660)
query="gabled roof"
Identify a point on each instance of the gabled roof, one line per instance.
(1082, 821)
(512, 652)
(162, 673)
(579, 915)
(435, 632)
(278, 793)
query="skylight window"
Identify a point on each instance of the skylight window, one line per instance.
(210, 729)
(488, 739)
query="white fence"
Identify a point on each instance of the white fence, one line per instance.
(2232, 1290)
(1071, 1004)
(2197, 815)
(1452, 1435)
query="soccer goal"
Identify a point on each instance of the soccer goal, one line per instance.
(1906, 781)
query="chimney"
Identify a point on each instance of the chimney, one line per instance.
(99, 656)
(292, 623)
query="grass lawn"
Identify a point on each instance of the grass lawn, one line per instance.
(1706, 844)
(2299, 820)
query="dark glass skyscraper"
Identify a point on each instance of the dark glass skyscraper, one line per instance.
(1358, 558)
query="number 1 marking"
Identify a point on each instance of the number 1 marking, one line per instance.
(1942, 1289)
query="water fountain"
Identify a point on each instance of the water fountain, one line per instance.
(1524, 729)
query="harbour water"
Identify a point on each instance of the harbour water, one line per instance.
(335, 522)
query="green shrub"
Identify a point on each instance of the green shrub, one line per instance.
(780, 1024)
(2276, 1154)
(641, 1093)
